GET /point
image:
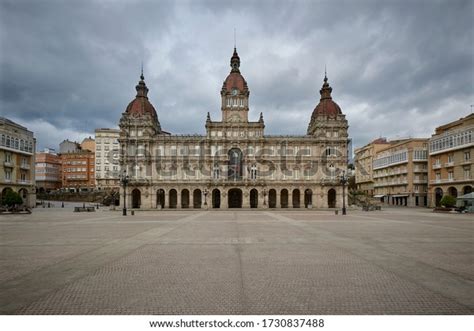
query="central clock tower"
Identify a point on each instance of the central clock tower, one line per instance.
(235, 94)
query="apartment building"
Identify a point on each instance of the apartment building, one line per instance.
(364, 157)
(400, 173)
(78, 165)
(451, 158)
(107, 149)
(47, 171)
(17, 161)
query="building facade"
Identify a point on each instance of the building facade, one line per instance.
(17, 161)
(107, 159)
(235, 164)
(451, 160)
(364, 157)
(400, 173)
(47, 171)
(78, 171)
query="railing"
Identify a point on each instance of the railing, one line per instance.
(25, 166)
(436, 166)
(449, 164)
(8, 164)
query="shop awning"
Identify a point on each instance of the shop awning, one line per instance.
(379, 195)
(399, 195)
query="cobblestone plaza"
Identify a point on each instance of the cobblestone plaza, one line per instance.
(395, 261)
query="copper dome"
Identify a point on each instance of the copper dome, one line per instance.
(326, 105)
(141, 105)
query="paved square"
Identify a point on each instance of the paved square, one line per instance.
(397, 261)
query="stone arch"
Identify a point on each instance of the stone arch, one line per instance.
(308, 198)
(253, 198)
(197, 198)
(234, 197)
(23, 192)
(173, 198)
(160, 198)
(284, 198)
(452, 191)
(332, 198)
(295, 198)
(272, 198)
(185, 198)
(136, 198)
(438, 196)
(216, 198)
(466, 189)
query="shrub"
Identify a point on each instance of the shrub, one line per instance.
(448, 201)
(11, 199)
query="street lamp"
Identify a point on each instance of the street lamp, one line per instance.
(264, 197)
(205, 196)
(343, 180)
(124, 180)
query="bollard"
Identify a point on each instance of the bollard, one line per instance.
(49, 205)
(133, 212)
(336, 212)
(62, 204)
(83, 205)
(97, 206)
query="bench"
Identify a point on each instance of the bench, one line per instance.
(81, 209)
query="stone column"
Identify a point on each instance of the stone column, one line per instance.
(245, 199)
(167, 199)
(224, 200)
(178, 199)
(191, 198)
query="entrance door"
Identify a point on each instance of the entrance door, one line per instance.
(253, 198)
(173, 198)
(272, 197)
(284, 198)
(296, 198)
(216, 198)
(332, 198)
(136, 198)
(185, 198)
(197, 198)
(160, 198)
(235, 198)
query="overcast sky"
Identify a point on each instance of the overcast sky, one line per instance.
(397, 68)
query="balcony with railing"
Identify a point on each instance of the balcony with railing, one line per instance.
(25, 166)
(436, 166)
(8, 164)
(449, 164)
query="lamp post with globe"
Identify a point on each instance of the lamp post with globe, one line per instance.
(343, 180)
(124, 180)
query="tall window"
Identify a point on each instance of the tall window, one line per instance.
(235, 164)
(253, 172)
(216, 172)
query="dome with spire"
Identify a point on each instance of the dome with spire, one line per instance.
(326, 105)
(235, 80)
(141, 105)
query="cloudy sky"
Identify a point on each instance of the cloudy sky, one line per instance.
(397, 68)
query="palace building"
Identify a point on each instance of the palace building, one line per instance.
(235, 164)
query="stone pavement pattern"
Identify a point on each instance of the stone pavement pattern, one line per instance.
(397, 261)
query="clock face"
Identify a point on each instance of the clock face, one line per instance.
(234, 92)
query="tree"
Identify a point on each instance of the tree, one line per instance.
(448, 201)
(12, 198)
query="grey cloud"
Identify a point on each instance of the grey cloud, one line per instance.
(74, 65)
